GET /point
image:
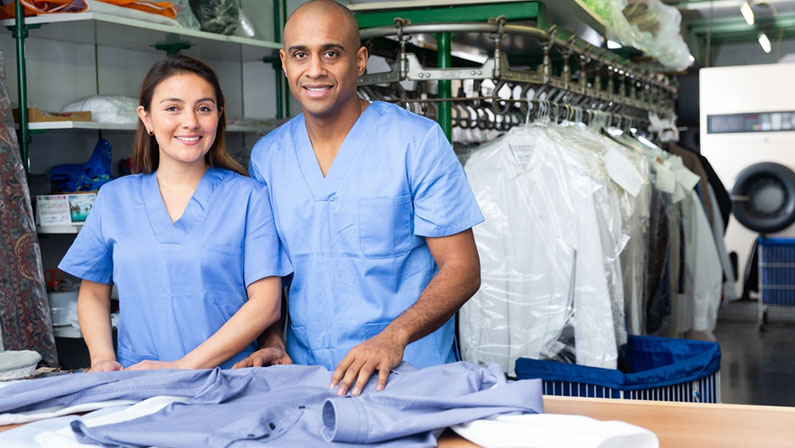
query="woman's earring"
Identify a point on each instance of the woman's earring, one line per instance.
(151, 133)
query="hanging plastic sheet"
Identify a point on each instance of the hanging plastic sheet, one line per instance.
(631, 183)
(544, 287)
(648, 312)
(649, 26)
(613, 204)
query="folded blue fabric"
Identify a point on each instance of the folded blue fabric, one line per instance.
(283, 405)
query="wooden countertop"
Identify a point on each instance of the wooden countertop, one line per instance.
(699, 425)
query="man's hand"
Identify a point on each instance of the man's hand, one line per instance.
(154, 365)
(381, 352)
(105, 366)
(270, 356)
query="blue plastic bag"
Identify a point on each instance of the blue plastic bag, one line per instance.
(89, 176)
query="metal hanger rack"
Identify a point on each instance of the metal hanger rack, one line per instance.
(586, 77)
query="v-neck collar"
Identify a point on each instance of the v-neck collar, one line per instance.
(323, 188)
(174, 233)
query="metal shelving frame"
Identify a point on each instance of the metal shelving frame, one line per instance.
(138, 35)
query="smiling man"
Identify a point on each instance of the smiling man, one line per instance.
(374, 211)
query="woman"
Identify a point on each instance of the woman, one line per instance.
(189, 240)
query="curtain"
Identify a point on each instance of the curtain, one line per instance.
(24, 310)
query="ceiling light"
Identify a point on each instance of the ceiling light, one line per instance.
(764, 42)
(748, 13)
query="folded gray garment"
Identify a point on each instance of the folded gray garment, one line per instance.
(18, 364)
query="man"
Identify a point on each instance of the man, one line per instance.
(374, 211)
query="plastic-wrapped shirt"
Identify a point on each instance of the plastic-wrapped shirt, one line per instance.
(541, 256)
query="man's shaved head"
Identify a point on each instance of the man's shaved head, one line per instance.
(322, 59)
(329, 9)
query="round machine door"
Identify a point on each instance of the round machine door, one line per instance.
(763, 197)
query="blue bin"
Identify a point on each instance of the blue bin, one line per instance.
(652, 368)
(777, 271)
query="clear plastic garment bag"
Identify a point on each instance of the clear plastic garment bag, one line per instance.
(556, 223)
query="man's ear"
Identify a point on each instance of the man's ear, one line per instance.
(282, 56)
(361, 59)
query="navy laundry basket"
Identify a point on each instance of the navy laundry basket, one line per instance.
(776, 275)
(653, 368)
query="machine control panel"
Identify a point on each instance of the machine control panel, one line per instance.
(751, 122)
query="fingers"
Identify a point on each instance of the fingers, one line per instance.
(383, 374)
(264, 357)
(350, 376)
(135, 367)
(342, 367)
(364, 374)
(144, 365)
(242, 364)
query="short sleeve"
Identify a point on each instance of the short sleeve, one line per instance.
(90, 257)
(254, 171)
(264, 254)
(443, 201)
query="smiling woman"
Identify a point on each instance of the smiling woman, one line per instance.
(181, 94)
(189, 240)
(183, 118)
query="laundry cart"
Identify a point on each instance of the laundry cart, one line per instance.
(650, 368)
(776, 275)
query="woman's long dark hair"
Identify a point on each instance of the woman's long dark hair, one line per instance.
(146, 152)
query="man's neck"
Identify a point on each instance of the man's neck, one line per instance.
(327, 133)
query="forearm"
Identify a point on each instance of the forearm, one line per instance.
(93, 313)
(273, 337)
(454, 283)
(250, 321)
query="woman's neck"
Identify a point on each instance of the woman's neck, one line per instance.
(180, 175)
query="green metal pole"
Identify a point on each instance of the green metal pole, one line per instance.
(286, 94)
(277, 37)
(279, 92)
(20, 33)
(444, 60)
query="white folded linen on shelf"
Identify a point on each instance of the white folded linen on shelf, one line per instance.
(107, 108)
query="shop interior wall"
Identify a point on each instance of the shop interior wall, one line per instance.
(61, 72)
(750, 53)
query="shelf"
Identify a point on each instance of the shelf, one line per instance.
(93, 125)
(62, 230)
(132, 34)
(66, 331)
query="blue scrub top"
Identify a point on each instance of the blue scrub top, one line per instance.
(356, 236)
(178, 283)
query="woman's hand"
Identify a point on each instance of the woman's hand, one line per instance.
(154, 365)
(270, 356)
(105, 366)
